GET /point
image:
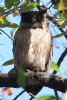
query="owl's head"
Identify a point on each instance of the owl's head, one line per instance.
(33, 16)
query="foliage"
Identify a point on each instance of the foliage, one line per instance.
(9, 62)
(21, 78)
(15, 7)
(5, 23)
(60, 17)
(28, 7)
(54, 66)
(61, 5)
(46, 98)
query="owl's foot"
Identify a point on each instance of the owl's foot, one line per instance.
(36, 70)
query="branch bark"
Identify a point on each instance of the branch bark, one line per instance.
(35, 79)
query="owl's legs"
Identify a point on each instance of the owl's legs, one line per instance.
(36, 70)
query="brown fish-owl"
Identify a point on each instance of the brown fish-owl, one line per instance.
(33, 42)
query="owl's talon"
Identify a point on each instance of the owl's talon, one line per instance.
(36, 70)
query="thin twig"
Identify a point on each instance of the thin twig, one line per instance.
(6, 34)
(61, 59)
(19, 95)
(56, 94)
(33, 96)
(50, 6)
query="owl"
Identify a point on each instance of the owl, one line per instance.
(33, 43)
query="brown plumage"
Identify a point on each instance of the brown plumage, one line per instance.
(33, 43)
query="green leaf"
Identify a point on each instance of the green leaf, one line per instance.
(9, 62)
(16, 2)
(10, 3)
(3, 20)
(12, 25)
(54, 66)
(2, 11)
(21, 78)
(46, 98)
(4, 23)
(63, 15)
(60, 20)
(25, 1)
(12, 71)
(28, 7)
(63, 25)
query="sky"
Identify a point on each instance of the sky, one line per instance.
(6, 45)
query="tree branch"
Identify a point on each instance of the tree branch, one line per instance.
(34, 79)
(61, 59)
(55, 22)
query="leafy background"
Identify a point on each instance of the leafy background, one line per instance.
(60, 44)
